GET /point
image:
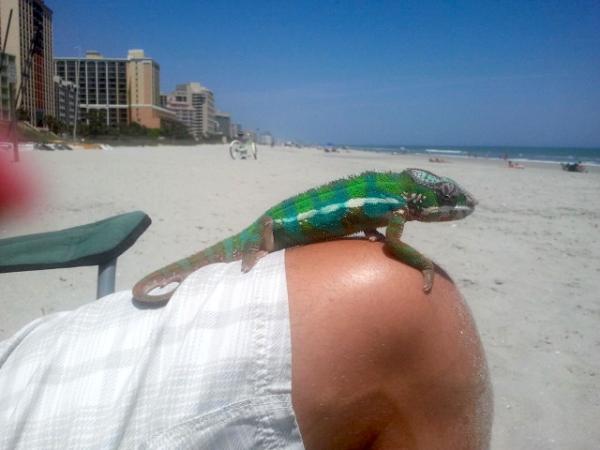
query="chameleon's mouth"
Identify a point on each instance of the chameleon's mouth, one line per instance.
(445, 213)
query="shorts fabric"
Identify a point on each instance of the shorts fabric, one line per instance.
(210, 370)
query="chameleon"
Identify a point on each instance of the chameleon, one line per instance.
(359, 203)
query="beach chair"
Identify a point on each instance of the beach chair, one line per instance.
(95, 244)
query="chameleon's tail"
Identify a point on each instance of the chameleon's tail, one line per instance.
(248, 245)
(141, 290)
(161, 278)
(174, 273)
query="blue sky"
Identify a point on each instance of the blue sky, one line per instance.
(379, 72)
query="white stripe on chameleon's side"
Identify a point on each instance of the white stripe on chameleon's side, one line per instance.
(352, 203)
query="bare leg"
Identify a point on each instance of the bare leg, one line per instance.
(363, 317)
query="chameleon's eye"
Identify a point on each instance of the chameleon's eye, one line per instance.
(446, 192)
(447, 189)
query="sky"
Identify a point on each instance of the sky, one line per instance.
(524, 73)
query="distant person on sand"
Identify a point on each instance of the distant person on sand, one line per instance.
(326, 346)
(513, 165)
(573, 167)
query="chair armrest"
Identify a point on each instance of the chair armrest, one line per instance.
(87, 245)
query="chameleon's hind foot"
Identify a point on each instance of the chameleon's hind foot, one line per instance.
(374, 235)
(256, 250)
(250, 259)
(268, 239)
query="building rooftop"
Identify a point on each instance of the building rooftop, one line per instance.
(93, 54)
(136, 53)
(132, 54)
(193, 87)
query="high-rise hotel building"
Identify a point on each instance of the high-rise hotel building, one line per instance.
(8, 77)
(102, 86)
(66, 101)
(143, 75)
(117, 90)
(194, 106)
(29, 39)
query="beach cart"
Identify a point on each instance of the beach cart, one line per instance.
(243, 150)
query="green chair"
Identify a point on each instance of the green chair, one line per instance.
(95, 244)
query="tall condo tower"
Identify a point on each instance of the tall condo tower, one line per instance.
(101, 84)
(117, 91)
(30, 41)
(194, 105)
(143, 79)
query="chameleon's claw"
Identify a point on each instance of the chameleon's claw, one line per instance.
(374, 236)
(427, 280)
(249, 260)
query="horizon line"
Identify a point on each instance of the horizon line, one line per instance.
(495, 146)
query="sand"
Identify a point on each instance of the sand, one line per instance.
(528, 260)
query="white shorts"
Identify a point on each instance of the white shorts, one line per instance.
(210, 370)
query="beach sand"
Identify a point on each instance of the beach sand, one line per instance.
(527, 261)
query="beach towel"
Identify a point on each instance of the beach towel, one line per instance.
(210, 370)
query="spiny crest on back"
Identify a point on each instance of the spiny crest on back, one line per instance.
(342, 183)
(424, 177)
(371, 176)
(367, 176)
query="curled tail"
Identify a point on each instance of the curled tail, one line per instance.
(176, 273)
(249, 246)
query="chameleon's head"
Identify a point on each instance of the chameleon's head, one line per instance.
(437, 199)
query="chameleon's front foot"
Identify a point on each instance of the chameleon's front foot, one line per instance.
(427, 279)
(405, 253)
(408, 255)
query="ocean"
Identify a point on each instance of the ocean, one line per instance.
(590, 156)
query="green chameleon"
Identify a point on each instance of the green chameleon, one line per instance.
(359, 203)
